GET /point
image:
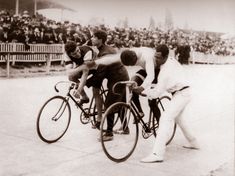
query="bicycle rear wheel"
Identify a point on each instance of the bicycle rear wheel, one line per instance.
(162, 104)
(53, 119)
(125, 132)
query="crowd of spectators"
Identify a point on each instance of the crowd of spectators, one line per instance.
(37, 29)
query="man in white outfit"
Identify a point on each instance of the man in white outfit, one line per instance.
(172, 79)
(144, 58)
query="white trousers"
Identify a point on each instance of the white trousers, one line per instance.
(168, 117)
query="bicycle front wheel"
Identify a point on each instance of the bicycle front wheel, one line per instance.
(120, 118)
(53, 119)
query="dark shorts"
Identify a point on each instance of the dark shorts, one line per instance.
(114, 76)
(75, 77)
(97, 77)
(113, 73)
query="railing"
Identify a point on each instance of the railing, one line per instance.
(201, 58)
(11, 53)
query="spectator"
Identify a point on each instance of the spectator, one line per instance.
(182, 52)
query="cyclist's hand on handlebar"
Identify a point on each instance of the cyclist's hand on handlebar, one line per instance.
(76, 94)
(138, 89)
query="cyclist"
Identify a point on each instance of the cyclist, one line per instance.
(143, 57)
(106, 66)
(172, 79)
(76, 56)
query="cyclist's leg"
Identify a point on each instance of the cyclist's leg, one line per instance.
(75, 78)
(138, 78)
(84, 96)
(110, 99)
(136, 100)
(96, 82)
(153, 103)
(156, 111)
(98, 102)
(118, 96)
(175, 108)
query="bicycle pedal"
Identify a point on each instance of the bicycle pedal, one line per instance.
(148, 131)
(146, 135)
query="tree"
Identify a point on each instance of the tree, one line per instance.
(126, 23)
(152, 24)
(186, 25)
(168, 20)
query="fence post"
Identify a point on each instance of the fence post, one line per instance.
(7, 58)
(48, 60)
(14, 56)
(192, 56)
(62, 55)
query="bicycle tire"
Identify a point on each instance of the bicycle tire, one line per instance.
(123, 145)
(155, 123)
(52, 132)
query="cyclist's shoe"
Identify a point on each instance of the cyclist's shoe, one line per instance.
(96, 125)
(83, 101)
(152, 158)
(108, 136)
(192, 145)
(137, 120)
(121, 131)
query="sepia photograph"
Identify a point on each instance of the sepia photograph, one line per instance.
(117, 87)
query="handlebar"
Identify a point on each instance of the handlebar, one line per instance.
(127, 83)
(72, 85)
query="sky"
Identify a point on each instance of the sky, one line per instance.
(209, 15)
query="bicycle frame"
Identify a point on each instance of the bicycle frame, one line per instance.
(129, 94)
(145, 125)
(70, 96)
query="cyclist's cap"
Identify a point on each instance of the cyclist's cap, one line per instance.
(70, 46)
(100, 34)
(163, 49)
(128, 57)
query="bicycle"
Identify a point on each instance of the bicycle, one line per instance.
(126, 118)
(55, 115)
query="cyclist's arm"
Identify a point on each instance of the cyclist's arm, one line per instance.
(88, 59)
(84, 68)
(83, 79)
(69, 65)
(149, 67)
(154, 91)
(108, 59)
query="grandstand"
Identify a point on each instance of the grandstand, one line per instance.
(32, 38)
